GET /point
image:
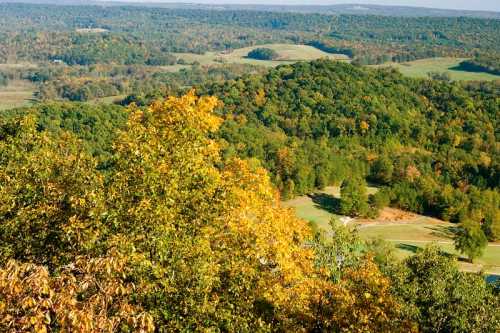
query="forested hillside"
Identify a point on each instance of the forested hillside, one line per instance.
(173, 236)
(433, 144)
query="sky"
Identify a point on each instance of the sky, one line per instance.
(493, 5)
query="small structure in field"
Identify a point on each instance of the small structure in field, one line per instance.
(91, 30)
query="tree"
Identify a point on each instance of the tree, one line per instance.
(441, 298)
(353, 197)
(50, 196)
(491, 225)
(382, 170)
(470, 239)
(359, 299)
(263, 53)
(87, 296)
(178, 236)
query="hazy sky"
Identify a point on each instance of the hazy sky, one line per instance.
(450, 4)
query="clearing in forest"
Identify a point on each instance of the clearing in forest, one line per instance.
(288, 53)
(409, 232)
(17, 93)
(421, 68)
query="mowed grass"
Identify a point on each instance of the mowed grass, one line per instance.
(288, 53)
(408, 232)
(107, 99)
(306, 208)
(421, 68)
(409, 238)
(16, 94)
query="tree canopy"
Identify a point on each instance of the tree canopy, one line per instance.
(263, 53)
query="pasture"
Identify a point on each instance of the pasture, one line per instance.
(407, 231)
(421, 68)
(288, 53)
(17, 93)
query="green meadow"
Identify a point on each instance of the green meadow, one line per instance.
(421, 68)
(407, 231)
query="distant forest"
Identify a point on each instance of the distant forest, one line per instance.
(143, 35)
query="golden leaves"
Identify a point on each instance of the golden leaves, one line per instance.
(89, 301)
(360, 302)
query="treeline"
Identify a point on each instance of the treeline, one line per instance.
(87, 83)
(88, 49)
(95, 125)
(433, 144)
(145, 35)
(369, 52)
(489, 63)
(173, 236)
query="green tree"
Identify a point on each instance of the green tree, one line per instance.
(353, 197)
(470, 239)
(382, 170)
(441, 298)
(263, 53)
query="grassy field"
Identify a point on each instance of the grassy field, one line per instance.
(409, 238)
(407, 231)
(288, 53)
(17, 94)
(309, 207)
(107, 99)
(420, 68)
(21, 65)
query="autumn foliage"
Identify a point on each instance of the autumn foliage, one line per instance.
(170, 238)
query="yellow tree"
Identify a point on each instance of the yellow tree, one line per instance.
(50, 196)
(87, 296)
(215, 245)
(52, 276)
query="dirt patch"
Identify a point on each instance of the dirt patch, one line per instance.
(394, 214)
(390, 215)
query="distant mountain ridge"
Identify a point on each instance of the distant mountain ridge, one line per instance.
(356, 9)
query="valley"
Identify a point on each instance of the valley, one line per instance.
(175, 167)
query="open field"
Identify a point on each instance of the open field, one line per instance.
(420, 68)
(407, 231)
(21, 65)
(288, 53)
(91, 30)
(107, 99)
(410, 237)
(17, 94)
(309, 208)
